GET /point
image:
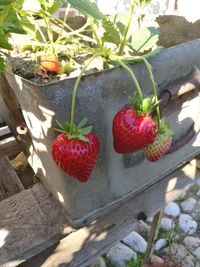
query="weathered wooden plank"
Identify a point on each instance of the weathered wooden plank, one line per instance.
(10, 183)
(30, 222)
(9, 147)
(80, 248)
(4, 131)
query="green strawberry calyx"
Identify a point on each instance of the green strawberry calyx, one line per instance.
(78, 131)
(145, 105)
(164, 129)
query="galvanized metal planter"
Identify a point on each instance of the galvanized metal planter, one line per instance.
(115, 177)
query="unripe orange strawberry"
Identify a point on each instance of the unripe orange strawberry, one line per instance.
(50, 63)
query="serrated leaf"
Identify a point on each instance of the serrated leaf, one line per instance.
(144, 39)
(82, 123)
(86, 130)
(111, 33)
(87, 7)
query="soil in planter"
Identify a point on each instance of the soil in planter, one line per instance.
(26, 65)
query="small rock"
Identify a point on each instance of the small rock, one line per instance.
(198, 182)
(99, 262)
(144, 228)
(198, 193)
(172, 209)
(160, 243)
(188, 204)
(187, 224)
(180, 254)
(155, 258)
(136, 242)
(119, 253)
(167, 224)
(191, 242)
(196, 253)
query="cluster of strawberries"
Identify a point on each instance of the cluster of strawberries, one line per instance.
(133, 129)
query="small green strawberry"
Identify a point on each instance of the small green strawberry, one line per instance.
(161, 144)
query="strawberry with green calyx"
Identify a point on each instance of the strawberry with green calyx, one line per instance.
(133, 127)
(76, 153)
(76, 149)
(50, 63)
(161, 144)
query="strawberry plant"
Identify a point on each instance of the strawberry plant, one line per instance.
(9, 23)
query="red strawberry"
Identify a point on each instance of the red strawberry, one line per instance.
(50, 63)
(158, 148)
(132, 131)
(76, 152)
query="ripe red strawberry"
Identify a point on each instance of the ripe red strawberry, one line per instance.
(76, 149)
(76, 157)
(158, 148)
(132, 131)
(50, 63)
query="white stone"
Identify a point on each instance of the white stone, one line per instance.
(198, 182)
(188, 204)
(196, 253)
(187, 224)
(160, 243)
(119, 253)
(167, 224)
(136, 242)
(180, 254)
(191, 242)
(172, 209)
(99, 262)
(198, 193)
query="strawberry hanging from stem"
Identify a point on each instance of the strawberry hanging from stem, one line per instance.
(133, 127)
(76, 149)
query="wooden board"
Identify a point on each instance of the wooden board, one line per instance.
(9, 147)
(2, 123)
(4, 131)
(10, 183)
(29, 223)
(81, 247)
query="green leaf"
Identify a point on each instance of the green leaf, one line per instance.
(86, 130)
(144, 39)
(2, 64)
(111, 33)
(57, 130)
(82, 123)
(55, 7)
(10, 20)
(4, 40)
(87, 7)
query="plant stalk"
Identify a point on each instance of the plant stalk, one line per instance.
(148, 66)
(75, 90)
(124, 38)
(138, 89)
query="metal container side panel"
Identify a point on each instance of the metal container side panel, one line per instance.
(99, 97)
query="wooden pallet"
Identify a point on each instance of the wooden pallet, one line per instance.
(31, 221)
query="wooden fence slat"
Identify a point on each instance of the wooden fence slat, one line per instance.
(30, 222)
(10, 183)
(9, 147)
(81, 247)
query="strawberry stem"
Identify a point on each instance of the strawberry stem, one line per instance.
(75, 90)
(124, 66)
(124, 39)
(153, 87)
